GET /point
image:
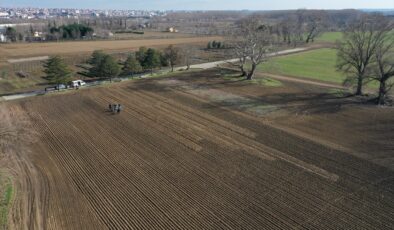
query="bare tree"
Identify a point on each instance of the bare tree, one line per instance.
(241, 53)
(188, 53)
(172, 54)
(384, 68)
(291, 28)
(297, 24)
(252, 42)
(314, 24)
(301, 26)
(357, 50)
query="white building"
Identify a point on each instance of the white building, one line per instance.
(37, 34)
(172, 30)
(4, 15)
(3, 38)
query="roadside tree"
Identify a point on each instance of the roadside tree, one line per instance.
(95, 61)
(252, 42)
(131, 66)
(172, 55)
(141, 55)
(152, 60)
(187, 55)
(109, 68)
(57, 72)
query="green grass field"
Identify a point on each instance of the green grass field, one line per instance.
(330, 37)
(335, 36)
(316, 64)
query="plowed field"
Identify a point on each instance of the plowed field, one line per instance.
(15, 51)
(185, 154)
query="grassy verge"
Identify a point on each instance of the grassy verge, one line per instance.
(5, 201)
(339, 92)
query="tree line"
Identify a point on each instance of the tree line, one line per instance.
(72, 31)
(105, 66)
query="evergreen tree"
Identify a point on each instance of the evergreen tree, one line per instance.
(95, 61)
(163, 60)
(11, 33)
(152, 59)
(109, 68)
(131, 66)
(141, 54)
(57, 72)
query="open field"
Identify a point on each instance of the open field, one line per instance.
(14, 51)
(80, 52)
(201, 151)
(317, 64)
(330, 37)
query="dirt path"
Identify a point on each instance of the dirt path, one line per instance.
(19, 60)
(302, 80)
(210, 65)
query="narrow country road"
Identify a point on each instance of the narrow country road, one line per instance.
(210, 65)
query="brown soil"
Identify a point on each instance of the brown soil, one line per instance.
(179, 157)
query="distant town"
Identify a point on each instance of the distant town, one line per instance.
(47, 13)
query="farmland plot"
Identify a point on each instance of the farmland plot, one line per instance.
(173, 159)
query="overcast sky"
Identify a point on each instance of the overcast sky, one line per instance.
(204, 4)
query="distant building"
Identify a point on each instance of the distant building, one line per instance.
(172, 30)
(37, 37)
(3, 38)
(37, 34)
(4, 15)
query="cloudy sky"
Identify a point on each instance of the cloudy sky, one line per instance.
(204, 4)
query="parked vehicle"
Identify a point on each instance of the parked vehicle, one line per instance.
(61, 86)
(77, 83)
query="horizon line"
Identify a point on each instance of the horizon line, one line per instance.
(239, 10)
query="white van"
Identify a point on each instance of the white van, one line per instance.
(77, 83)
